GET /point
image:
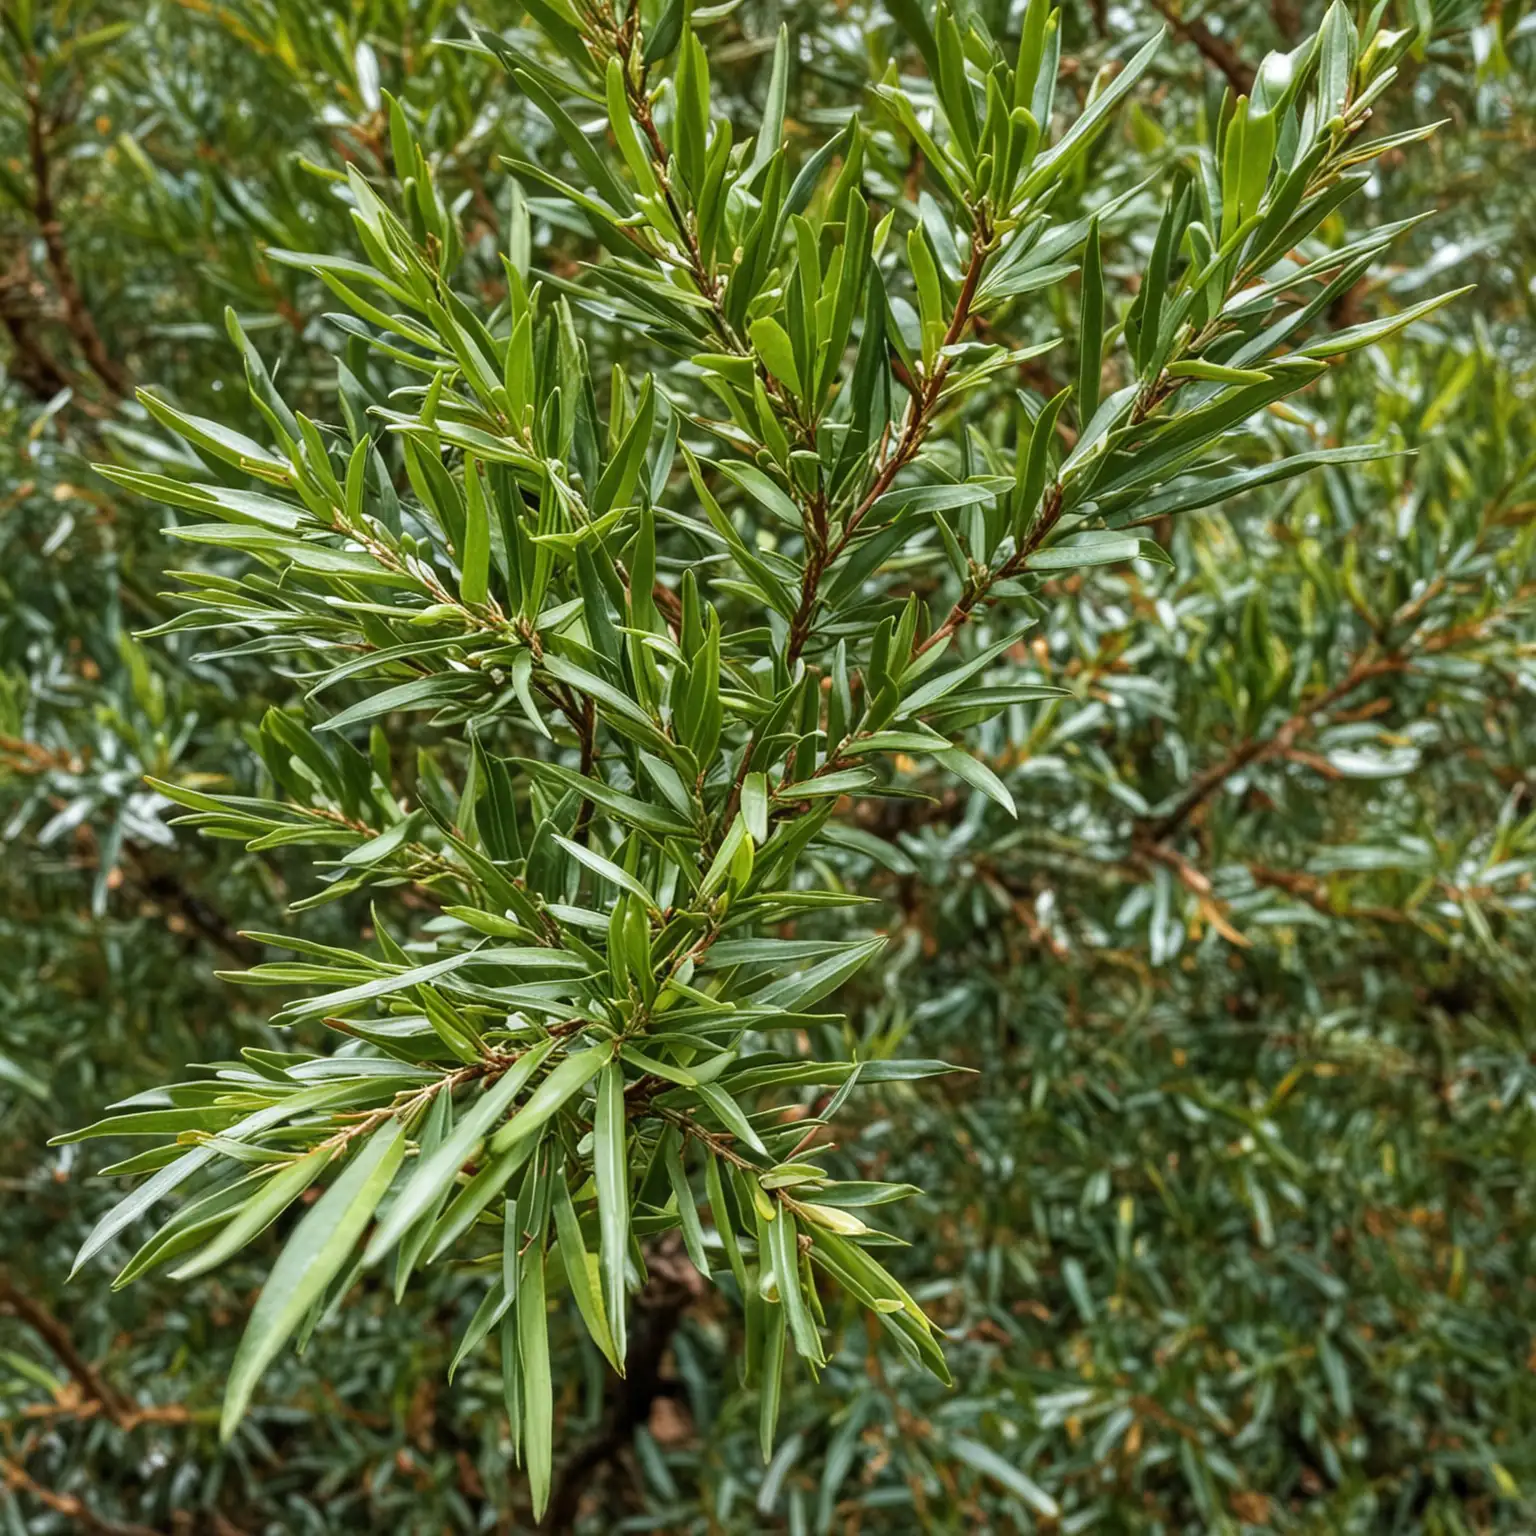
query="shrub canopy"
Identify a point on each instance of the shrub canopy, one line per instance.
(872, 674)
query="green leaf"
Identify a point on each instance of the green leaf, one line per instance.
(771, 1321)
(1091, 328)
(1004, 1473)
(610, 1169)
(915, 499)
(490, 1179)
(772, 344)
(475, 566)
(606, 869)
(1052, 166)
(730, 1115)
(579, 1271)
(785, 1253)
(1034, 463)
(1209, 490)
(771, 131)
(627, 808)
(537, 1385)
(754, 805)
(666, 34)
(931, 692)
(978, 776)
(1101, 548)
(269, 1201)
(313, 1256)
(1216, 373)
(419, 693)
(690, 127)
(687, 1210)
(910, 17)
(810, 986)
(551, 1096)
(720, 1215)
(436, 1172)
(654, 1065)
(845, 781)
(598, 175)
(215, 438)
(763, 490)
(1354, 337)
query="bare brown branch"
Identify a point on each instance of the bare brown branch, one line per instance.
(1278, 742)
(56, 1336)
(18, 1480)
(77, 315)
(1217, 51)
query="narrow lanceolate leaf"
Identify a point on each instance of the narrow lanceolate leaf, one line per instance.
(491, 1177)
(754, 805)
(606, 869)
(492, 1308)
(1098, 548)
(538, 1393)
(785, 1254)
(550, 1097)
(720, 1215)
(137, 1202)
(164, 1180)
(1003, 1472)
(434, 1130)
(313, 1256)
(687, 1210)
(730, 1115)
(978, 776)
(582, 1270)
(610, 1168)
(421, 693)
(771, 1388)
(661, 819)
(1080, 135)
(1372, 331)
(1091, 330)
(436, 1172)
(264, 1207)
(811, 985)
(475, 566)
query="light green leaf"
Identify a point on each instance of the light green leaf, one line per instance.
(773, 345)
(606, 869)
(436, 1172)
(320, 1245)
(754, 806)
(551, 1096)
(990, 1464)
(538, 1387)
(586, 1290)
(610, 1168)
(264, 1207)
(978, 776)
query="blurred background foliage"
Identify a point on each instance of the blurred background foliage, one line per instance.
(1231, 1229)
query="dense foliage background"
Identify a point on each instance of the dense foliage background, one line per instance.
(1232, 1226)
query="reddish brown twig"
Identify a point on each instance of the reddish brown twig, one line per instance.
(1281, 740)
(86, 1519)
(919, 418)
(56, 1336)
(77, 315)
(1217, 51)
(23, 303)
(1314, 892)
